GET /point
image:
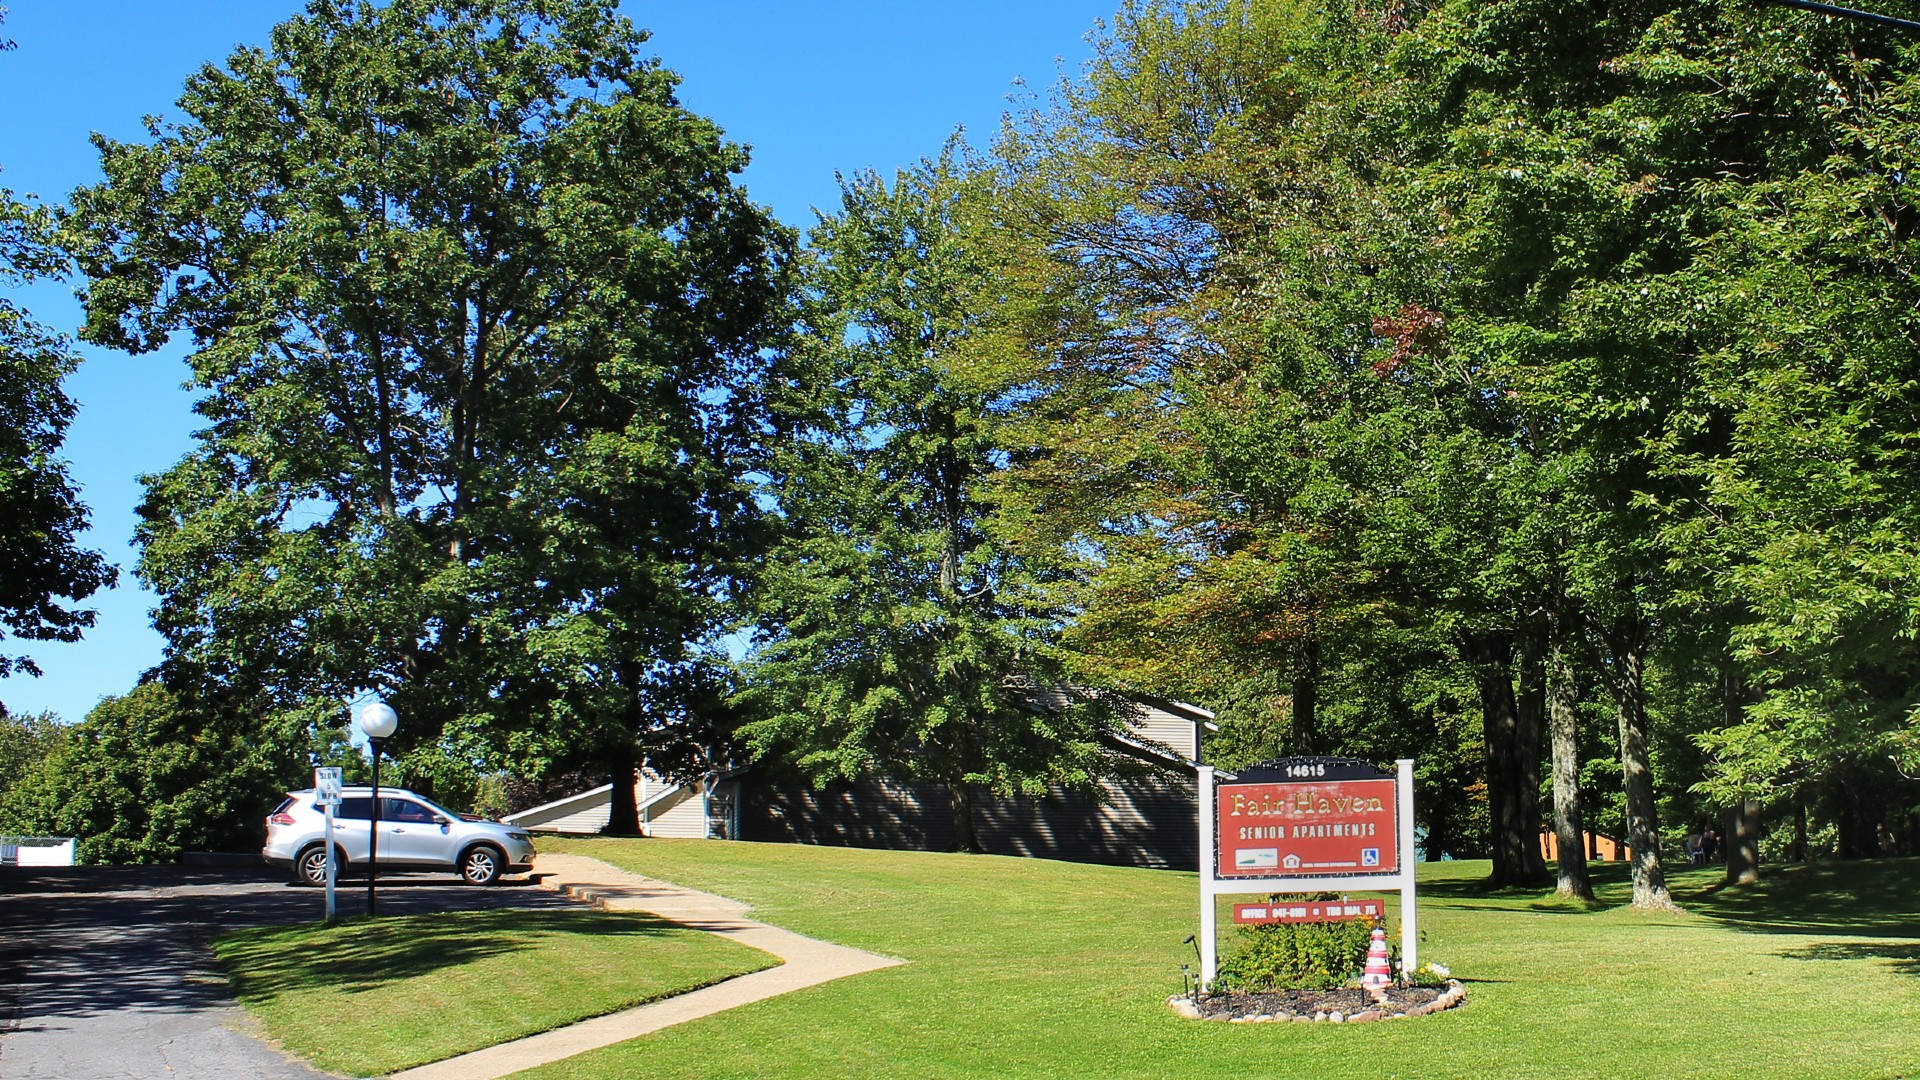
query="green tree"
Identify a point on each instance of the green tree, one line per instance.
(1809, 492)
(25, 743)
(40, 512)
(148, 776)
(898, 635)
(1568, 340)
(1290, 468)
(471, 298)
(1523, 172)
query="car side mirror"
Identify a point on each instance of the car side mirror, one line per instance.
(439, 819)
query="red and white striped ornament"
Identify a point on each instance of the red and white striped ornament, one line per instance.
(1377, 976)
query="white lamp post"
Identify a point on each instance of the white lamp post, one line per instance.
(378, 720)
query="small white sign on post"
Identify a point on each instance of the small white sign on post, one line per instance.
(326, 795)
(326, 786)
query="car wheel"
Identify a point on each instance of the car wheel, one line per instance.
(481, 865)
(311, 867)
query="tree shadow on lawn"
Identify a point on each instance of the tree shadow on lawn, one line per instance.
(1612, 883)
(362, 954)
(1553, 906)
(1904, 959)
(1873, 898)
(1866, 898)
(1856, 898)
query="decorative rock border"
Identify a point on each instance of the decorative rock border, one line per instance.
(1452, 995)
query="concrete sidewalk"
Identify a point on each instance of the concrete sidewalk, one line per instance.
(807, 962)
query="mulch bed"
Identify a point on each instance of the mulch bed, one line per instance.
(1346, 1005)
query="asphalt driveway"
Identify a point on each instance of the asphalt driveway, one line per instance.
(105, 971)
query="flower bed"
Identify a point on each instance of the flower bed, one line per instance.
(1348, 1005)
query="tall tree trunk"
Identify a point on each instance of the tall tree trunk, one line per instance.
(1743, 821)
(1569, 819)
(1743, 843)
(1491, 657)
(623, 811)
(1799, 831)
(1530, 713)
(960, 798)
(1304, 738)
(1626, 681)
(1856, 824)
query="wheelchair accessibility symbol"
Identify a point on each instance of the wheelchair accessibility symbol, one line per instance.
(1370, 856)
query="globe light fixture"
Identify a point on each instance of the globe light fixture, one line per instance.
(377, 721)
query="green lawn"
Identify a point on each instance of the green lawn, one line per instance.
(371, 997)
(1029, 968)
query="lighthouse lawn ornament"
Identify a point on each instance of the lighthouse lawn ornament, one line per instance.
(1377, 977)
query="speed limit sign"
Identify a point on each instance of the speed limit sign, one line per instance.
(326, 787)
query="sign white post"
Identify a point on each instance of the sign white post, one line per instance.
(326, 795)
(1209, 894)
(1409, 937)
(1213, 886)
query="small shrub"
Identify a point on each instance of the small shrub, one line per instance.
(1297, 956)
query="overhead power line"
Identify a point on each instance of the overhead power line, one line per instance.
(1848, 13)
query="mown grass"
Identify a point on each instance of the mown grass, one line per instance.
(369, 997)
(1022, 967)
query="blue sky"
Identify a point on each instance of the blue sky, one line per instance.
(811, 87)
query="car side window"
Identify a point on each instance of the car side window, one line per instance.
(360, 809)
(405, 810)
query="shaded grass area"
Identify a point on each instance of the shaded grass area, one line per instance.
(1029, 968)
(369, 997)
(1878, 898)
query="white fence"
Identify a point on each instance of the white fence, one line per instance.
(36, 851)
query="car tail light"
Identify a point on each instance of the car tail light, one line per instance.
(280, 819)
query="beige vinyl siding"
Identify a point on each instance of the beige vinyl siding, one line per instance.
(678, 815)
(684, 813)
(581, 814)
(1175, 732)
(587, 821)
(675, 811)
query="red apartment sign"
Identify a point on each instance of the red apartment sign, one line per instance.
(1308, 828)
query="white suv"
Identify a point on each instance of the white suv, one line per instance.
(415, 834)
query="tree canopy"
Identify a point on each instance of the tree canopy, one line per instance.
(1486, 381)
(147, 777)
(1447, 330)
(472, 300)
(900, 633)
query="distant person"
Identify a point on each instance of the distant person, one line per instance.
(1709, 845)
(1695, 849)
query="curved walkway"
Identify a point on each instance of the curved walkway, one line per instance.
(806, 962)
